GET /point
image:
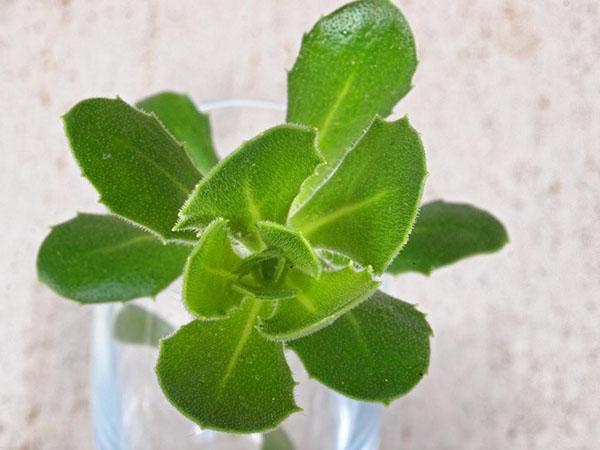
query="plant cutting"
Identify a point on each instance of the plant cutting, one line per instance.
(283, 243)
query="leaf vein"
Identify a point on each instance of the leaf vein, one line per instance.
(246, 332)
(306, 302)
(359, 334)
(180, 186)
(120, 245)
(341, 212)
(328, 120)
(221, 272)
(253, 210)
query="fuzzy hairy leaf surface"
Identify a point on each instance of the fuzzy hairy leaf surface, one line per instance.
(447, 232)
(367, 207)
(317, 303)
(140, 171)
(210, 273)
(97, 258)
(257, 182)
(180, 116)
(376, 352)
(264, 292)
(333, 260)
(224, 375)
(293, 246)
(355, 63)
(253, 260)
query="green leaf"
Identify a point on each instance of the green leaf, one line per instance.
(255, 259)
(317, 303)
(367, 207)
(355, 63)
(95, 258)
(136, 325)
(210, 272)
(140, 171)
(180, 116)
(257, 182)
(276, 440)
(447, 232)
(333, 260)
(224, 375)
(293, 246)
(376, 352)
(264, 292)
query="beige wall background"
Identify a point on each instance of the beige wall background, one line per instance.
(507, 100)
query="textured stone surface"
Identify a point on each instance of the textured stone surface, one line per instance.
(506, 99)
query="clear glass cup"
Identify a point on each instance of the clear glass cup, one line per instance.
(130, 412)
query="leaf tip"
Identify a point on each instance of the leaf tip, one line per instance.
(182, 222)
(386, 402)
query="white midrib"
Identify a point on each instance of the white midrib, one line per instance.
(173, 179)
(329, 118)
(220, 272)
(246, 333)
(253, 209)
(309, 228)
(359, 334)
(122, 245)
(304, 300)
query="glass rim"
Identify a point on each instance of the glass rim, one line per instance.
(241, 103)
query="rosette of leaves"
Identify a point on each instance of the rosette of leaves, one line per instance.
(282, 243)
